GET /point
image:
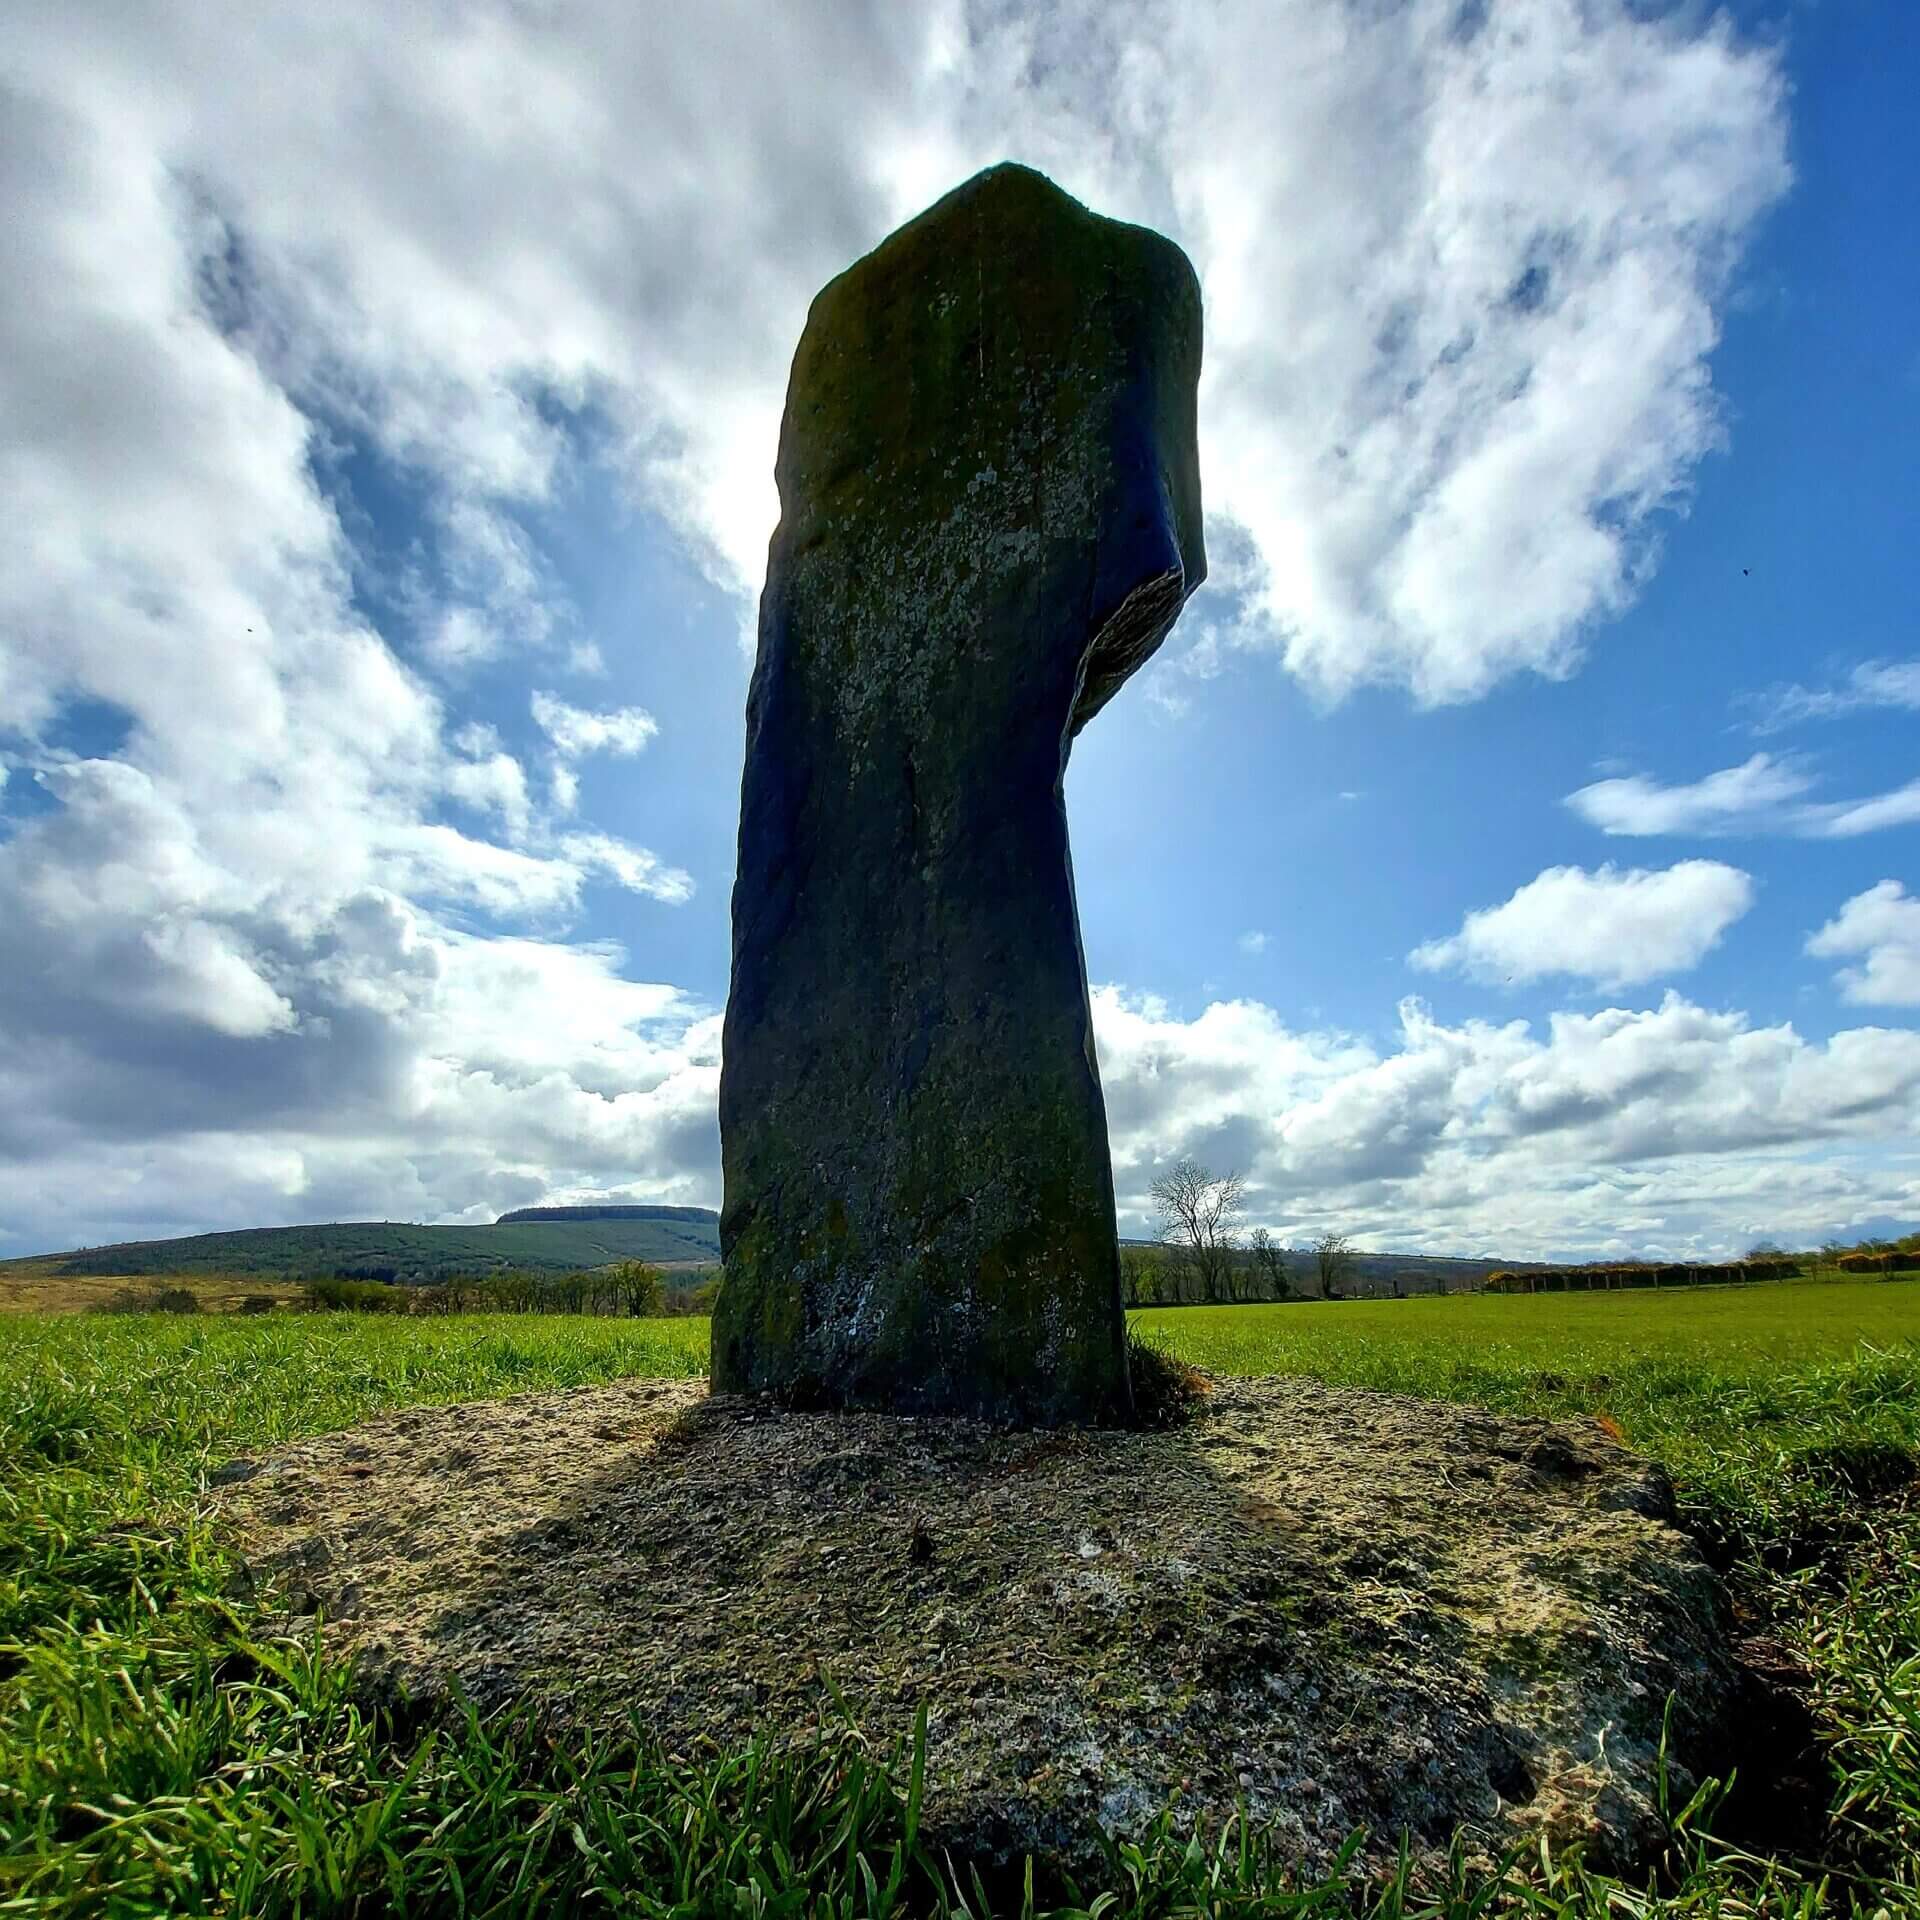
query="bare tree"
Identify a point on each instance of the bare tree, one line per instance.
(1200, 1222)
(1269, 1264)
(1333, 1254)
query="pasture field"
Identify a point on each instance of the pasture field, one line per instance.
(1759, 1399)
(160, 1752)
(1758, 1326)
(43, 1288)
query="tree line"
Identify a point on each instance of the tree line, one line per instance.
(629, 1289)
(1206, 1256)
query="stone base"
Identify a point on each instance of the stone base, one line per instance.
(1339, 1609)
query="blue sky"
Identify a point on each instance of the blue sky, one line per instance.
(1513, 848)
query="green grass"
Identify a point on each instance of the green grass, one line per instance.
(156, 1754)
(1767, 1403)
(1756, 1327)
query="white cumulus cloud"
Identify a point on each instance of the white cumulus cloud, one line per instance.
(1613, 928)
(1462, 272)
(1881, 928)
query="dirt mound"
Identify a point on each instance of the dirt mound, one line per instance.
(1337, 1608)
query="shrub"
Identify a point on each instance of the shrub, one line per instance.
(1166, 1390)
(631, 1287)
(1626, 1274)
(355, 1296)
(696, 1299)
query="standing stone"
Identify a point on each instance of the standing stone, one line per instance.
(990, 517)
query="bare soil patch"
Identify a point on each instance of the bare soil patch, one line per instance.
(1335, 1608)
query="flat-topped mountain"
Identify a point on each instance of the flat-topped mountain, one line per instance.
(520, 1216)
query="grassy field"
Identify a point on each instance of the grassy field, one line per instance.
(44, 1289)
(1760, 1399)
(158, 1754)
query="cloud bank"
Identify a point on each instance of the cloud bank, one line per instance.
(286, 931)
(1461, 268)
(459, 1076)
(1669, 1129)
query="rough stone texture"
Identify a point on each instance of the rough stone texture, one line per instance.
(990, 516)
(1344, 1608)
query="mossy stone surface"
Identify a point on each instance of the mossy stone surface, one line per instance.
(990, 517)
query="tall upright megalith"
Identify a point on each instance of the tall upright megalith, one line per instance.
(990, 517)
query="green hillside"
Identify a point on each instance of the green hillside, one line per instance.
(583, 1237)
(565, 1239)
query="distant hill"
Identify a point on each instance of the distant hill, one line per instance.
(541, 1239)
(565, 1239)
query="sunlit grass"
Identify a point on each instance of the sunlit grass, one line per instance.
(1755, 1328)
(156, 1755)
(1756, 1398)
